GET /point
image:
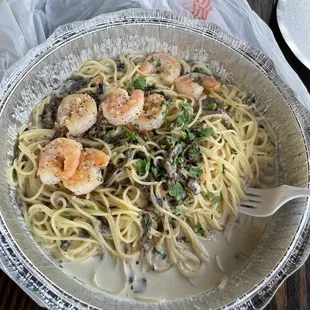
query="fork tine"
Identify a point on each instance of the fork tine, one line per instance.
(253, 191)
(247, 211)
(249, 204)
(254, 198)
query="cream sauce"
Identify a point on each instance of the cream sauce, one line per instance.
(227, 253)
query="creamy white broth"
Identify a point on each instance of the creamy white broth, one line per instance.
(227, 253)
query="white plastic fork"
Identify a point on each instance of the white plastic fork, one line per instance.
(266, 202)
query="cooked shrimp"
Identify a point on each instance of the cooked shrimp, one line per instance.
(78, 113)
(153, 115)
(88, 175)
(185, 85)
(120, 109)
(210, 83)
(195, 84)
(59, 160)
(168, 67)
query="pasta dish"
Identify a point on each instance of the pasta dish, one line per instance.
(141, 156)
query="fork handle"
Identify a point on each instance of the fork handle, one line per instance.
(298, 191)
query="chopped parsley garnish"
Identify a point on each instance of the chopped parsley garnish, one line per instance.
(167, 105)
(234, 151)
(139, 83)
(212, 216)
(202, 71)
(66, 217)
(176, 190)
(185, 117)
(128, 85)
(180, 119)
(179, 160)
(217, 199)
(189, 133)
(194, 153)
(148, 225)
(151, 61)
(158, 64)
(131, 137)
(206, 132)
(163, 255)
(199, 230)
(208, 196)
(95, 207)
(177, 211)
(211, 107)
(143, 165)
(186, 106)
(154, 172)
(194, 172)
(140, 213)
(223, 169)
(198, 80)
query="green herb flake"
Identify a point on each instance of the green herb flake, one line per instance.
(179, 160)
(154, 171)
(151, 61)
(143, 165)
(95, 207)
(66, 217)
(223, 169)
(206, 132)
(212, 216)
(167, 72)
(167, 106)
(194, 172)
(234, 151)
(129, 85)
(177, 211)
(211, 107)
(217, 199)
(163, 255)
(208, 196)
(140, 213)
(199, 230)
(149, 225)
(180, 120)
(194, 154)
(176, 190)
(189, 133)
(131, 137)
(158, 64)
(186, 106)
(147, 166)
(139, 83)
(185, 117)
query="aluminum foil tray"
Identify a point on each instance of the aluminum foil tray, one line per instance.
(285, 244)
